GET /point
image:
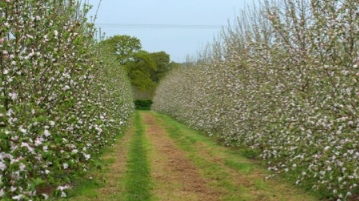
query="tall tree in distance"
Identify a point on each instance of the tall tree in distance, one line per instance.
(145, 69)
(139, 69)
(123, 46)
(162, 60)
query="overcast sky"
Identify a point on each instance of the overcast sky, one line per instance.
(180, 28)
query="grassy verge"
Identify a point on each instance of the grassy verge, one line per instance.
(122, 171)
(138, 175)
(100, 176)
(227, 170)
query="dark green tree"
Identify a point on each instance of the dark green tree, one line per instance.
(162, 60)
(143, 68)
(123, 46)
(139, 69)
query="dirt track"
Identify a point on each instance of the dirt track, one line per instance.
(176, 176)
(186, 166)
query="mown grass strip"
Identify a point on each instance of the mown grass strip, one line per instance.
(220, 165)
(138, 175)
(220, 179)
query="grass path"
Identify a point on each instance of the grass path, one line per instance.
(107, 181)
(175, 176)
(138, 176)
(226, 170)
(160, 159)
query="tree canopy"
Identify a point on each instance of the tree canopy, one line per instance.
(123, 46)
(139, 69)
(162, 60)
(145, 69)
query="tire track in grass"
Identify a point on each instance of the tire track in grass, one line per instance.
(161, 159)
(238, 177)
(175, 177)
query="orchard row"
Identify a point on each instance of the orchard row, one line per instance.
(62, 97)
(283, 82)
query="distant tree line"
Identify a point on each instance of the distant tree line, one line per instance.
(145, 69)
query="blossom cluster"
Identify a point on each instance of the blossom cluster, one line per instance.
(283, 81)
(62, 98)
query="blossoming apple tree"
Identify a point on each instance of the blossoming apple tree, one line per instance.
(283, 81)
(62, 98)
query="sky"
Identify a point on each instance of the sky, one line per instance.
(180, 28)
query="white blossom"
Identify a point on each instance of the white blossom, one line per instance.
(13, 96)
(2, 166)
(47, 133)
(87, 156)
(65, 165)
(45, 196)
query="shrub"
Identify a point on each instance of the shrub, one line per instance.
(143, 104)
